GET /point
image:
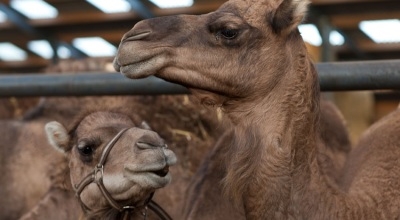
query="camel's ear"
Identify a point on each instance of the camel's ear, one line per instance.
(145, 125)
(57, 136)
(289, 15)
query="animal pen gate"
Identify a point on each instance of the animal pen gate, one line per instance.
(335, 76)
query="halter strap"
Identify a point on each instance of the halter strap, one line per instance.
(109, 146)
(96, 176)
(159, 210)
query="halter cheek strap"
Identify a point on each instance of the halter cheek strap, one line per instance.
(96, 176)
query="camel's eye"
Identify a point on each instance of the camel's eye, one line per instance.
(228, 33)
(85, 149)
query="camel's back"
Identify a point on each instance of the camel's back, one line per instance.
(374, 165)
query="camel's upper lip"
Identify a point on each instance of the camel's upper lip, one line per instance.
(137, 61)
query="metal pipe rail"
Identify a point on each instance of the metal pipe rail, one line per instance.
(336, 76)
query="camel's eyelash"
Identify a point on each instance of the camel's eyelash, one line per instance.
(87, 148)
(228, 33)
(93, 141)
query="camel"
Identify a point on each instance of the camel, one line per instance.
(114, 166)
(28, 173)
(188, 128)
(248, 58)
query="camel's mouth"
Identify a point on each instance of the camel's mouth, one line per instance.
(163, 172)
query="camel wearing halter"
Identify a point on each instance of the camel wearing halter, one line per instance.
(114, 166)
(249, 58)
(27, 172)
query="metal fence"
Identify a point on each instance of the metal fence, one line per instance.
(336, 76)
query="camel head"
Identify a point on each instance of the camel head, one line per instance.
(135, 165)
(237, 52)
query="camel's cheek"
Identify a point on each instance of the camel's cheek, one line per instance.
(120, 187)
(91, 196)
(77, 173)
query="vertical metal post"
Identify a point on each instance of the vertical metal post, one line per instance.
(325, 29)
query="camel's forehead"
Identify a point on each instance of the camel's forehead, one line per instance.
(253, 11)
(103, 119)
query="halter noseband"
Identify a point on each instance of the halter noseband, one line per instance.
(96, 176)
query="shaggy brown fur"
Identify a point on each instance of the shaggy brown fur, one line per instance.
(205, 199)
(15, 107)
(249, 58)
(26, 166)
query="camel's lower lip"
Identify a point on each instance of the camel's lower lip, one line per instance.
(161, 173)
(137, 70)
(137, 63)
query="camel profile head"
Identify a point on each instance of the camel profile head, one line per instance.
(232, 53)
(135, 161)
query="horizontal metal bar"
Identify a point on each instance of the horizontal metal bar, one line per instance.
(85, 84)
(362, 75)
(339, 76)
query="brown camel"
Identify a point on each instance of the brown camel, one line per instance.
(249, 58)
(114, 166)
(28, 173)
(188, 128)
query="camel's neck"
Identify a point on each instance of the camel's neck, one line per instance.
(274, 144)
(107, 212)
(115, 215)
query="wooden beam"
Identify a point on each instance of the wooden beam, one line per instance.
(29, 63)
(112, 35)
(370, 46)
(352, 21)
(138, 7)
(84, 18)
(199, 8)
(19, 20)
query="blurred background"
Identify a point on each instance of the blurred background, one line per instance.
(35, 34)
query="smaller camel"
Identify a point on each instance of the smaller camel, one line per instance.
(114, 168)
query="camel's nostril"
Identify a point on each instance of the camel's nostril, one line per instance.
(137, 36)
(144, 145)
